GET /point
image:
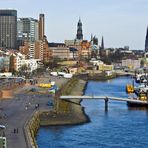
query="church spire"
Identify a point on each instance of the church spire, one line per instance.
(79, 35)
(102, 43)
(91, 38)
(146, 41)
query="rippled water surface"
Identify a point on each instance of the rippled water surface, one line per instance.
(120, 127)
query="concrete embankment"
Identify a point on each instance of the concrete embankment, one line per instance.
(30, 129)
(102, 76)
(96, 76)
(67, 112)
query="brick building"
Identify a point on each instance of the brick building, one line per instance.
(36, 50)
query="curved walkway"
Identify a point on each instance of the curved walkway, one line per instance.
(16, 111)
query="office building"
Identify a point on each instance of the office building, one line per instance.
(36, 50)
(27, 29)
(8, 28)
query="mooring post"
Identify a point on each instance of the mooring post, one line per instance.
(106, 104)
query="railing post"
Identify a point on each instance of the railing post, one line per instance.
(106, 104)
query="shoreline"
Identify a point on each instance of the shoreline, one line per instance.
(52, 118)
(75, 116)
(20, 112)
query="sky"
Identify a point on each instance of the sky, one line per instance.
(120, 22)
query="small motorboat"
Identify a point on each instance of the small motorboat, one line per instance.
(129, 88)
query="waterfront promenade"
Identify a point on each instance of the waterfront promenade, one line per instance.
(16, 111)
(14, 114)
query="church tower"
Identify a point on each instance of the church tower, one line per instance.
(146, 41)
(79, 35)
(102, 43)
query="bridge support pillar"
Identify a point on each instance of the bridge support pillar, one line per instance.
(106, 104)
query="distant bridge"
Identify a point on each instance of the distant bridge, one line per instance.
(12, 78)
(119, 72)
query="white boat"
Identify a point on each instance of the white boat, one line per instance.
(141, 78)
(141, 88)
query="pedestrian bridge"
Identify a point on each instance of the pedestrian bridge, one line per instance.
(106, 98)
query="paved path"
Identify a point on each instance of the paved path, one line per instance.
(14, 115)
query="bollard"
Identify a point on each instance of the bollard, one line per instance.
(106, 104)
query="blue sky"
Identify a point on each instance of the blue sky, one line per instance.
(121, 22)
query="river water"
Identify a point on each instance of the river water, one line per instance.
(120, 127)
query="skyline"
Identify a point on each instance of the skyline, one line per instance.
(122, 23)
